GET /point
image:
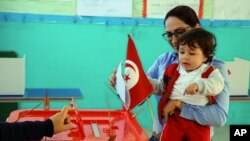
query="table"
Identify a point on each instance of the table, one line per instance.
(31, 94)
(239, 98)
(41, 93)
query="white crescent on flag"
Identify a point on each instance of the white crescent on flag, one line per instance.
(131, 74)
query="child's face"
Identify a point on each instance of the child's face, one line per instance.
(191, 58)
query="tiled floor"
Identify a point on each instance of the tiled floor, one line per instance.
(221, 133)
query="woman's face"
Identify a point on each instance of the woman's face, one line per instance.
(174, 28)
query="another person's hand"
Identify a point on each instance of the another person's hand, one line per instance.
(61, 120)
(192, 89)
(112, 78)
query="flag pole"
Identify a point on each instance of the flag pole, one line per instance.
(152, 115)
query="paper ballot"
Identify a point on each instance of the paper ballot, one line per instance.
(120, 85)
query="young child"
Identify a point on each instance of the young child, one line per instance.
(191, 81)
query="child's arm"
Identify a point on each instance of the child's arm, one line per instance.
(158, 86)
(204, 115)
(212, 85)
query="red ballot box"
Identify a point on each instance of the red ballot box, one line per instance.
(92, 125)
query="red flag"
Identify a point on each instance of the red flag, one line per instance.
(139, 87)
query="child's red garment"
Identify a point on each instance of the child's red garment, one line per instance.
(170, 76)
(178, 128)
(181, 129)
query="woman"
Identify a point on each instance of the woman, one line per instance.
(177, 21)
(191, 81)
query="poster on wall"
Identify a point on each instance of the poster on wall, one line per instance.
(238, 10)
(12, 76)
(239, 72)
(159, 8)
(106, 8)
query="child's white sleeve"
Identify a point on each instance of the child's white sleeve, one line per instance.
(212, 85)
(158, 86)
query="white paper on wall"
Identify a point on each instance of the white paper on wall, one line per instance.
(12, 76)
(239, 77)
(109, 8)
(235, 10)
(159, 8)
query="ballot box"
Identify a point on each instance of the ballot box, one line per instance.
(92, 125)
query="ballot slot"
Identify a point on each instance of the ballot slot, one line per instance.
(95, 129)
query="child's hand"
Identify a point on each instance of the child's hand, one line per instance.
(169, 108)
(191, 89)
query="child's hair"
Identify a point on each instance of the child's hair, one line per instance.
(203, 38)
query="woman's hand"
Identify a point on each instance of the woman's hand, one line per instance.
(112, 78)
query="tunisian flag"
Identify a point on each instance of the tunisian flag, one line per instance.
(137, 83)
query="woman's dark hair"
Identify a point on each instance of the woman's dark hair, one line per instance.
(206, 41)
(184, 13)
